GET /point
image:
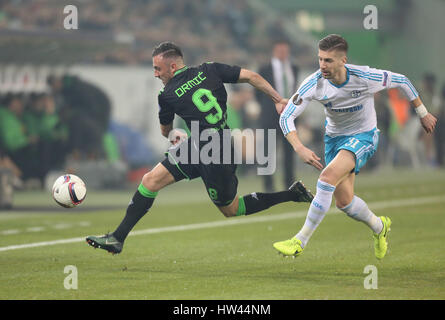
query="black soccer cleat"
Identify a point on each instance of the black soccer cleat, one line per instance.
(106, 242)
(302, 194)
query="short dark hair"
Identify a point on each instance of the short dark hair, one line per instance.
(281, 40)
(333, 42)
(168, 50)
(429, 78)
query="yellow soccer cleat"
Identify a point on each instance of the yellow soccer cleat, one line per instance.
(291, 247)
(380, 240)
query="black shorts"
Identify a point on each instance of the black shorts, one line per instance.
(220, 179)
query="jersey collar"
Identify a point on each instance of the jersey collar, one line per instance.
(344, 83)
(180, 70)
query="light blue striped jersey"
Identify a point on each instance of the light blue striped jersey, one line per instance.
(349, 107)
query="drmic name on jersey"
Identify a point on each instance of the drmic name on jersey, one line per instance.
(190, 84)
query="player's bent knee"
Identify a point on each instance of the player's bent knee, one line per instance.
(229, 211)
(344, 197)
(342, 204)
(150, 182)
(146, 180)
(328, 176)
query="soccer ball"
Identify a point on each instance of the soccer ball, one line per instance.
(69, 191)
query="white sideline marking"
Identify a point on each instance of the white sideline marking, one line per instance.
(35, 229)
(242, 220)
(10, 231)
(42, 229)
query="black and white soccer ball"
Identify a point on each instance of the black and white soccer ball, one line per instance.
(69, 191)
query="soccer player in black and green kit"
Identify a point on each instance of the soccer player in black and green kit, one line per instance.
(197, 95)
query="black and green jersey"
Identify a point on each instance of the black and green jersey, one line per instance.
(198, 94)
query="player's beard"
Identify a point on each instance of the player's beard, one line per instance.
(167, 78)
(164, 80)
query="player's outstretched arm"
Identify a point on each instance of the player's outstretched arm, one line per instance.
(295, 108)
(383, 79)
(257, 81)
(306, 154)
(427, 120)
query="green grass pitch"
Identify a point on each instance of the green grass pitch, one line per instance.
(185, 249)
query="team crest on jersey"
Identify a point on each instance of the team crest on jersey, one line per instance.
(356, 93)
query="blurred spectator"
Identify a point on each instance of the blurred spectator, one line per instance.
(41, 120)
(405, 130)
(6, 183)
(238, 117)
(129, 146)
(384, 119)
(7, 163)
(136, 25)
(18, 144)
(439, 133)
(431, 101)
(282, 75)
(85, 109)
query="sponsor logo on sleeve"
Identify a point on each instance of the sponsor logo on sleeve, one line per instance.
(297, 101)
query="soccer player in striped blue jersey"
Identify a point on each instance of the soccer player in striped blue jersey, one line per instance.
(347, 93)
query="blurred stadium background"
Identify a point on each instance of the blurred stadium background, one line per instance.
(86, 97)
(84, 101)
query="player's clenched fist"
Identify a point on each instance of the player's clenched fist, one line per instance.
(428, 122)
